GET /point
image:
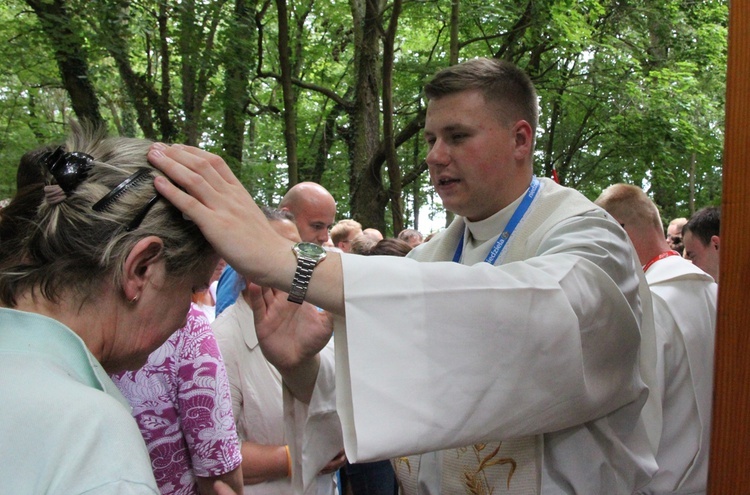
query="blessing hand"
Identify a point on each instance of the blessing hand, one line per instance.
(225, 212)
(220, 206)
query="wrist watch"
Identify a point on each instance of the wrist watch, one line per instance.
(308, 257)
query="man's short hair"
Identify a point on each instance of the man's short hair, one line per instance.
(629, 204)
(342, 229)
(500, 81)
(363, 244)
(704, 224)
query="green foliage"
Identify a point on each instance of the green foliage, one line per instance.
(629, 91)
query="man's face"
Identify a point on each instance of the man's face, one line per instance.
(314, 222)
(674, 238)
(471, 155)
(705, 257)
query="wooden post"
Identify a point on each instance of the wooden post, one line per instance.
(729, 471)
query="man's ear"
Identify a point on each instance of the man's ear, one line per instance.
(139, 266)
(524, 138)
(715, 241)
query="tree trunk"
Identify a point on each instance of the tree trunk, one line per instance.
(71, 58)
(394, 171)
(691, 193)
(454, 47)
(147, 102)
(196, 49)
(290, 114)
(368, 198)
(730, 433)
(238, 59)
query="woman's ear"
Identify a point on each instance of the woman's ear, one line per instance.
(140, 266)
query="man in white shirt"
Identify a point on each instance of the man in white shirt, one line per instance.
(684, 299)
(531, 352)
(256, 391)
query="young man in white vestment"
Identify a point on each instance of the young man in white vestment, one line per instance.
(515, 348)
(684, 298)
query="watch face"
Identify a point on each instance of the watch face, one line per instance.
(310, 250)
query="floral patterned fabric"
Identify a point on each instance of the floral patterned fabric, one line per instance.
(182, 404)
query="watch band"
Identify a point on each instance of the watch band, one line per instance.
(301, 280)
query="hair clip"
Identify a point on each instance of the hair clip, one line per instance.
(120, 189)
(136, 178)
(68, 169)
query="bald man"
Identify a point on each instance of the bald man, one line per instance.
(314, 211)
(684, 299)
(674, 234)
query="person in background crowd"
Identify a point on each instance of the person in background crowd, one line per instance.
(674, 234)
(412, 237)
(362, 244)
(374, 233)
(700, 235)
(390, 247)
(344, 232)
(181, 401)
(684, 298)
(314, 210)
(205, 298)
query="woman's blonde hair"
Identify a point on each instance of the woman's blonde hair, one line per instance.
(75, 229)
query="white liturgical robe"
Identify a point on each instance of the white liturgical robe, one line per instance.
(542, 357)
(685, 315)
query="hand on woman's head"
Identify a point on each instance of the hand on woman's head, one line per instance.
(219, 204)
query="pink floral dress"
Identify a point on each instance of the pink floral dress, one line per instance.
(182, 404)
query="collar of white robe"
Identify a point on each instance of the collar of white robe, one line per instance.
(502, 239)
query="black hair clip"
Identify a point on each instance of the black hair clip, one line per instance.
(136, 178)
(68, 169)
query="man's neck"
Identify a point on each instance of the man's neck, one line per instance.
(647, 253)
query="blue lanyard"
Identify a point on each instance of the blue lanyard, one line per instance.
(502, 240)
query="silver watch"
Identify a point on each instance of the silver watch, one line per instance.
(308, 257)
